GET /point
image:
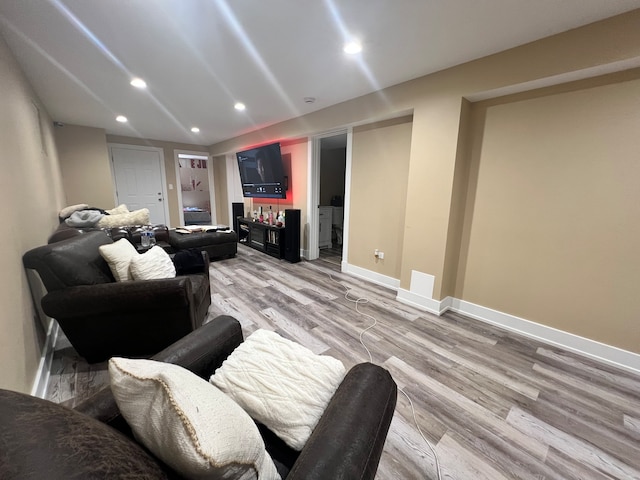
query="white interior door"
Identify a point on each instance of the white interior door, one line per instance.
(139, 177)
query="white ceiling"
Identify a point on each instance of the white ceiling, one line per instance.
(199, 57)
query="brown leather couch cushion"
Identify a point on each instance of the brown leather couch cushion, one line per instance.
(71, 262)
(41, 439)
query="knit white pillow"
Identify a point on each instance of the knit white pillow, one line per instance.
(280, 383)
(137, 217)
(155, 263)
(119, 255)
(122, 208)
(189, 424)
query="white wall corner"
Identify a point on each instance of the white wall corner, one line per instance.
(420, 294)
(437, 307)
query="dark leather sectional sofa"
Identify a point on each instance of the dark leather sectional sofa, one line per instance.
(216, 244)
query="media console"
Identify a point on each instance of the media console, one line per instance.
(279, 242)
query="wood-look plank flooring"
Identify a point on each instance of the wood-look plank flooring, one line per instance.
(494, 404)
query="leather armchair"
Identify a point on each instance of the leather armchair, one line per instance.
(346, 443)
(94, 441)
(102, 317)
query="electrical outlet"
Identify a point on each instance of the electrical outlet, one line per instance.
(381, 255)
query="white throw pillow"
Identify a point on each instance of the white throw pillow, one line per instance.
(189, 424)
(119, 255)
(280, 383)
(137, 217)
(155, 263)
(122, 208)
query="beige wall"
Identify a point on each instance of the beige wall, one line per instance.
(439, 142)
(552, 232)
(84, 161)
(87, 174)
(30, 198)
(378, 188)
(220, 190)
(299, 152)
(169, 167)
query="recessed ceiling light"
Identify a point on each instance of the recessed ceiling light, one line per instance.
(139, 83)
(239, 106)
(121, 119)
(352, 48)
(195, 129)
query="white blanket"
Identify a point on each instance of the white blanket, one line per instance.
(280, 383)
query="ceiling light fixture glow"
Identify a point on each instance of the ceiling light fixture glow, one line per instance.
(139, 83)
(195, 129)
(239, 106)
(352, 48)
(121, 119)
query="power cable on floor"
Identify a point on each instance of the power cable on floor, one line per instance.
(357, 303)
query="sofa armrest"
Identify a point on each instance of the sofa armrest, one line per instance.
(201, 351)
(142, 296)
(207, 262)
(348, 440)
(204, 349)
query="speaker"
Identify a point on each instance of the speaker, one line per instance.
(237, 210)
(292, 235)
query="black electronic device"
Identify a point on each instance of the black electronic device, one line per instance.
(292, 235)
(262, 172)
(237, 210)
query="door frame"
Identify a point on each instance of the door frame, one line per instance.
(313, 194)
(210, 179)
(163, 174)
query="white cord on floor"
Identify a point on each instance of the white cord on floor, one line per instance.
(375, 322)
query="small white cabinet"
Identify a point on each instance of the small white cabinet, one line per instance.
(337, 219)
(325, 227)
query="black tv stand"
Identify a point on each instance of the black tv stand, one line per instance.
(279, 242)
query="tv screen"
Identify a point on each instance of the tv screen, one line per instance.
(261, 172)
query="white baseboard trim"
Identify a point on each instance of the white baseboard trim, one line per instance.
(437, 307)
(374, 277)
(602, 352)
(590, 348)
(41, 381)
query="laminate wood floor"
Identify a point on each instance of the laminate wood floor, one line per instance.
(494, 404)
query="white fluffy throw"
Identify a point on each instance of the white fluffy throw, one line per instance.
(280, 383)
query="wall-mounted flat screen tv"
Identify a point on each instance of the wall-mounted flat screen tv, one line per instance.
(262, 172)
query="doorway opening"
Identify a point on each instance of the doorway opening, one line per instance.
(196, 201)
(333, 161)
(140, 179)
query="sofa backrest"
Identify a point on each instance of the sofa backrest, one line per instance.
(161, 232)
(130, 232)
(71, 262)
